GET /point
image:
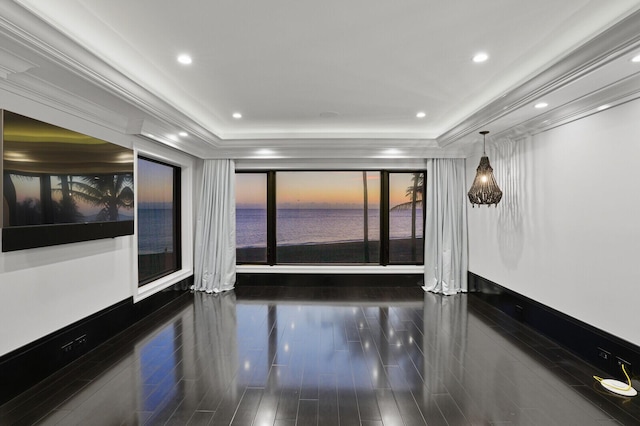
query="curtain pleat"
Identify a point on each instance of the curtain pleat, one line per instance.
(215, 245)
(445, 249)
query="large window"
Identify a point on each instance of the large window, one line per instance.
(329, 217)
(158, 220)
(406, 217)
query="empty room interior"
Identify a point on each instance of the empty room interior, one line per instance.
(333, 213)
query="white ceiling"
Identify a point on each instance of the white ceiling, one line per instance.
(331, 78)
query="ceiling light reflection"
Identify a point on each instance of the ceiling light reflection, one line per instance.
(185, 59)
(391, 151)
(480, 57)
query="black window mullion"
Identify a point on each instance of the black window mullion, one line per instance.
(384, 218)
(177, 215)
(271, 218)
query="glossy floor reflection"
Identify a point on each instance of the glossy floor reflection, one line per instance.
(324, 356)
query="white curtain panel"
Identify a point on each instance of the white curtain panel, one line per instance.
(215, 247)
(445, 248)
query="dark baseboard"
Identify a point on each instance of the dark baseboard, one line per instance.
(329, 280)
(601, 349)
(30, 364)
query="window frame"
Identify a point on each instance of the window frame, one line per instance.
(383, 260)
(388, 209)
(176, 221)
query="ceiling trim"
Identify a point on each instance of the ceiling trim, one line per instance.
(31, 32)
(618, 93)
(609, 45)
(10, 63)
(38, 36)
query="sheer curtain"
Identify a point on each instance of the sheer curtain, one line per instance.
(215, 246)
(445, 248)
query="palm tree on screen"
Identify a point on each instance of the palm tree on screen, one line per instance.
(111, 192)
(66, 209)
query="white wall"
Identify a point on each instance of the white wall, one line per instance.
(45, 289)
(567, 232)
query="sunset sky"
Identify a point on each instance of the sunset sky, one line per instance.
(155, 183)
(319, 189)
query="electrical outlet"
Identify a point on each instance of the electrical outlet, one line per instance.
(627, 365)
(80, 341)
(606, 355)
(519, 313)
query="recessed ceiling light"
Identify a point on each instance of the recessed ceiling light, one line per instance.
(183, 134)
(421, 114)
(185, 59)
(636, 59)
(602, 107)
(237, 115)
(480, 57)
(264, 151)
(391, 151)
(540, 105)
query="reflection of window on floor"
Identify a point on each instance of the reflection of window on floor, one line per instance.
(311, 217)
(160, 380)
(314, 336)
(158, 220)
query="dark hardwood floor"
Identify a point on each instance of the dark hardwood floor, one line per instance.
(325, 356)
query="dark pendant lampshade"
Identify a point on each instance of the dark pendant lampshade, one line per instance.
(484, 189)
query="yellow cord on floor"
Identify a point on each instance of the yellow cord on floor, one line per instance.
(600, 379)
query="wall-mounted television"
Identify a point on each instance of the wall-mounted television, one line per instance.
(60, 186)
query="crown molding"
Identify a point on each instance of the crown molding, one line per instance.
(34, 34)
(44, 93)
(593, 55)
(618, 93)
(10, 63)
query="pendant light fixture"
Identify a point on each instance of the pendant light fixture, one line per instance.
(484, 189)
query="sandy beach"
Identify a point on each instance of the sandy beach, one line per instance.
(348, 252)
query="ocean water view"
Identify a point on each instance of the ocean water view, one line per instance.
(155, 231)
(315, 226)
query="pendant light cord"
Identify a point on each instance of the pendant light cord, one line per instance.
(484, 142)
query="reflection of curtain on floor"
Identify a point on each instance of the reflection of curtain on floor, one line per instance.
(445, 248)
(217, 344)
(215, 247)
(445, 340)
